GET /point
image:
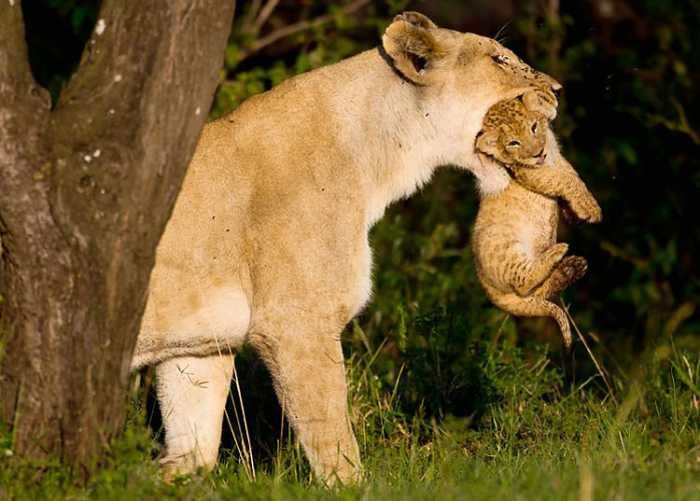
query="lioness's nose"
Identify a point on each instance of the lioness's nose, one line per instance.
(556, 86)
(553, 83)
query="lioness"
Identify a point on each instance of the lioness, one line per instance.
(268, 241)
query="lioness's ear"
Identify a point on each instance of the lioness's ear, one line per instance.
(411, 43)
(416, 19)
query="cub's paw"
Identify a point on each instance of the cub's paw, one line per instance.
(566, 272)
(573, 268)
(556, 252)
(587, 209)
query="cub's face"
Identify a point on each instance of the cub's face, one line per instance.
(514, 135)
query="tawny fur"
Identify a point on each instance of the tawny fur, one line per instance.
(268, 242)
(517, 258)
(514, 134)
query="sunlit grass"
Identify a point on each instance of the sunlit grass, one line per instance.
(541, 440)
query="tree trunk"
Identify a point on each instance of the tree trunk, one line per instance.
(85, 192)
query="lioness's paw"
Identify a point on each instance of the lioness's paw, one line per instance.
(173, 467)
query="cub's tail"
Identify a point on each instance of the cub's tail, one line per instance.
(531, 306)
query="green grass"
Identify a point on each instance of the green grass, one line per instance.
(540, 438)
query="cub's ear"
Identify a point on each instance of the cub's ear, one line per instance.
(411, 43)
(487, 142)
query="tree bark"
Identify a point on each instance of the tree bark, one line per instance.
(85, 192)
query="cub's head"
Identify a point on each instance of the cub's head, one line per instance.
(465, 66)
(513, 134)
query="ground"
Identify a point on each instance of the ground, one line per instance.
(542, 438)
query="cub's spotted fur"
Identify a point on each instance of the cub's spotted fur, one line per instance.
(513, 134)
(517, 258)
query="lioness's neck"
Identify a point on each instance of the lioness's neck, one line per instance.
(399, 133)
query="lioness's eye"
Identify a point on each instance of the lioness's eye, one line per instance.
(514, 144)
(500, 59)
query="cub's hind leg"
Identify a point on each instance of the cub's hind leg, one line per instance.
(566, 272)
(525, 275)
(308, 371)
(192, 395)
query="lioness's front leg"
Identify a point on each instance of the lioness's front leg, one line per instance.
(309, 377)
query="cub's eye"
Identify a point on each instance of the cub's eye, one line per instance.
(514, 144)
(534, 128)
(500, 59)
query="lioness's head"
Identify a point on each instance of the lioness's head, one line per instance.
(442, 59)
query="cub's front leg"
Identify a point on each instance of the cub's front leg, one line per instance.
(562, 181)
(557, 178)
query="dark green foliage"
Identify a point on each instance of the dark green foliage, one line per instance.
(447, 371)
(624, 124)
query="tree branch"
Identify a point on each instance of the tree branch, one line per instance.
(14, 64)
(250, 16)
(24, 108)
(264, 15)
(85, 192)
(24, 213)
(139, 85)
(292, 29)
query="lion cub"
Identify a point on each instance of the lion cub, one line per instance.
(518, 261)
